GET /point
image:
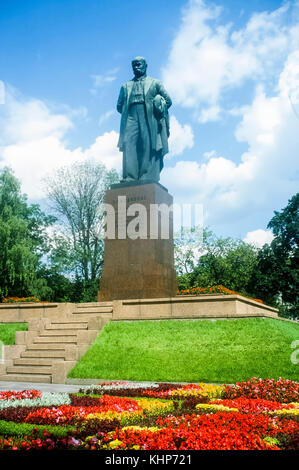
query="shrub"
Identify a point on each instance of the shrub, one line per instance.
(9, 428)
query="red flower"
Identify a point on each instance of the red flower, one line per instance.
(20, 395)
(281, 390)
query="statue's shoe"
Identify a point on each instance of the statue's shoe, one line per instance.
(128, 180)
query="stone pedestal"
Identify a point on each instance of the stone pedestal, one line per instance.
(139, 253)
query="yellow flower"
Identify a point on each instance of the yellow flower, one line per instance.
(134, 428)
(214, 408)
(140, 428)
(292, 412)
(154, 406)
(114, 444)
(212, 391)
(202, 390)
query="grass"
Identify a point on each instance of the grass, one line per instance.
(222, 351)
(8, 330)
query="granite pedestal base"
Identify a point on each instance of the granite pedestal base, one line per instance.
(139, 253)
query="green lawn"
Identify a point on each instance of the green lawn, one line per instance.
(8, 330)
(222, 351)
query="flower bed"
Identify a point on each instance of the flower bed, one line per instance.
(213, 290)
(7, 396)
(283, 391)
(18, 300)
(253, 415)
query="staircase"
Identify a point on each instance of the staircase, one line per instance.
(52, 347)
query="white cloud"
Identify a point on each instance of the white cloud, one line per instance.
(104, 117)
(99, 81)
(105, 150)
(259, 237)
(266, 174)
(210, 154)
(27, 120)
(33, 142)
(181, 137)
(208, 58)
(209, 114)
(289, 81)
(2, 92)
(32, 160)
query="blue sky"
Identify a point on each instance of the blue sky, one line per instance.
(231, 68)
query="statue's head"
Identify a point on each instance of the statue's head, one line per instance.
(139, 66)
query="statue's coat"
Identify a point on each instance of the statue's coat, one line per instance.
(159, 129)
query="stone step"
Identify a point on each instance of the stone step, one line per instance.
(63, 332)
(68, 326)
(31, 361)
(55, 342)
(91, 308)
(55, 339)
(94, 304)
(44, 354)
(26, 378)
(46, 346)
(40, 370)
(67, 320)
(94, 311)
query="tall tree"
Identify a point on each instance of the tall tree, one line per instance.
(207, 260)
(277, 276)
(22, 240)
(77, 193)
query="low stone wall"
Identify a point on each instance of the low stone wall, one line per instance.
(14, 313)
(205, 306)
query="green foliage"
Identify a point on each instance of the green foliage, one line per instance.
(189, 246)
(66, 265)
(77, 193)
(215, 261)
(22, 241)
(10, 428)
(277, 276)
(61, 288)
(270, 273)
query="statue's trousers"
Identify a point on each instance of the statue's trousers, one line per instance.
(137, 161)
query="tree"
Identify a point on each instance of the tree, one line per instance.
(76, 194)
(277, 276)
(188, 247)
(22, 241)
(210, 260)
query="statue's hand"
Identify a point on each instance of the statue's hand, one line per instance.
(160, 106)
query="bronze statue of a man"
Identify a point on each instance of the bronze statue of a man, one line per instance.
(144, 130)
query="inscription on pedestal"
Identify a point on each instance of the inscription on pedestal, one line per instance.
(139, 256)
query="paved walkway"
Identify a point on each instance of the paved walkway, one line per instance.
(66, 388)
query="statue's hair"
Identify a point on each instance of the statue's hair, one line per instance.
(139, 58)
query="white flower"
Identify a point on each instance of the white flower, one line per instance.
(47, 399)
